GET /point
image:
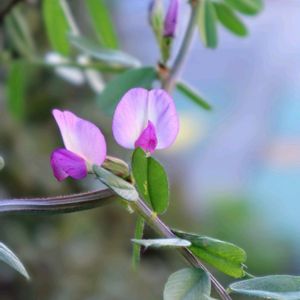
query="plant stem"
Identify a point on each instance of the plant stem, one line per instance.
(170, 82)
(162, 229)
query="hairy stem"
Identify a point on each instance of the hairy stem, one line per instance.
(162, 229)
(170, 82)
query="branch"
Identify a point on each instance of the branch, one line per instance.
(57, 205)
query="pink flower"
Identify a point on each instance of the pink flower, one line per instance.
(146, 119)
(84, 146)
(171, 19)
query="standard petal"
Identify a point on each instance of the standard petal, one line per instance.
(162, 113)
(130, 117)
(147, 140)
(65, 163)
(81, 137)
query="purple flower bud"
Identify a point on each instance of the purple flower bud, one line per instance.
(171, 19)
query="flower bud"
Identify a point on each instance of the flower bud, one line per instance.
(156, 17)
(171, 19)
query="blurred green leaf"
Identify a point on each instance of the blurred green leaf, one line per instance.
(224, 256)
(102, 22)
(191, 94)
(207, 24)
(16, 87)
(162, 243)
(117, 87)
(138, 234)
(121, 187)
(57, 26)
(188, 284)
(229, 19)
(109, 56)
(269, 287)
(151, 180)
(7, 256)
(248, 7)
(2, 163)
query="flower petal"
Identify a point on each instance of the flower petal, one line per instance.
(162, 113)
(65, 163)
(171, 19)
(147, 140)
(130, 117)
(81, 137)
(136, 108)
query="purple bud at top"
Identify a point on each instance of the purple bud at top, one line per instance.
(171, 19)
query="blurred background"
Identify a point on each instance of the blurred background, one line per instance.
(234, 171)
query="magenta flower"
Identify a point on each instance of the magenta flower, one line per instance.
(84, 146)
(146, 119)
(171, 19)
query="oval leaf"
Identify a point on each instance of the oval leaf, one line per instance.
(7, 256)
(224, 256)
(207, 24)
(117, 87)
(121, 187)
(248, 7)
(159, 243)
(229, 19)
(102, 23)
(151, 180)
(57, 26)
(109, 56)
(269, 287)
(188, 284)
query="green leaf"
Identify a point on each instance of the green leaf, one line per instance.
(248, 7)
(16, 87)
(151, 180)
(139, 165)
(109, 56)
(191, 94)
(138, 234)
(229, 19)
(2, 163)
(269, 287)
(207, 24)
(121, 187)
(102, 23)
(162, 243)
(7, 256)
(224, 256)
(117, 87)
(188, 284)
(56, 25)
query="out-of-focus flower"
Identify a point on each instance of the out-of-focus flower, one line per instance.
(84, 146)
(171, 19)
(146, 119)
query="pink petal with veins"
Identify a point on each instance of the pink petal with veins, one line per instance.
(65, 163)
(81, 137)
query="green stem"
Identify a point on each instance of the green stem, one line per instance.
(162, 229)
(170, 82)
